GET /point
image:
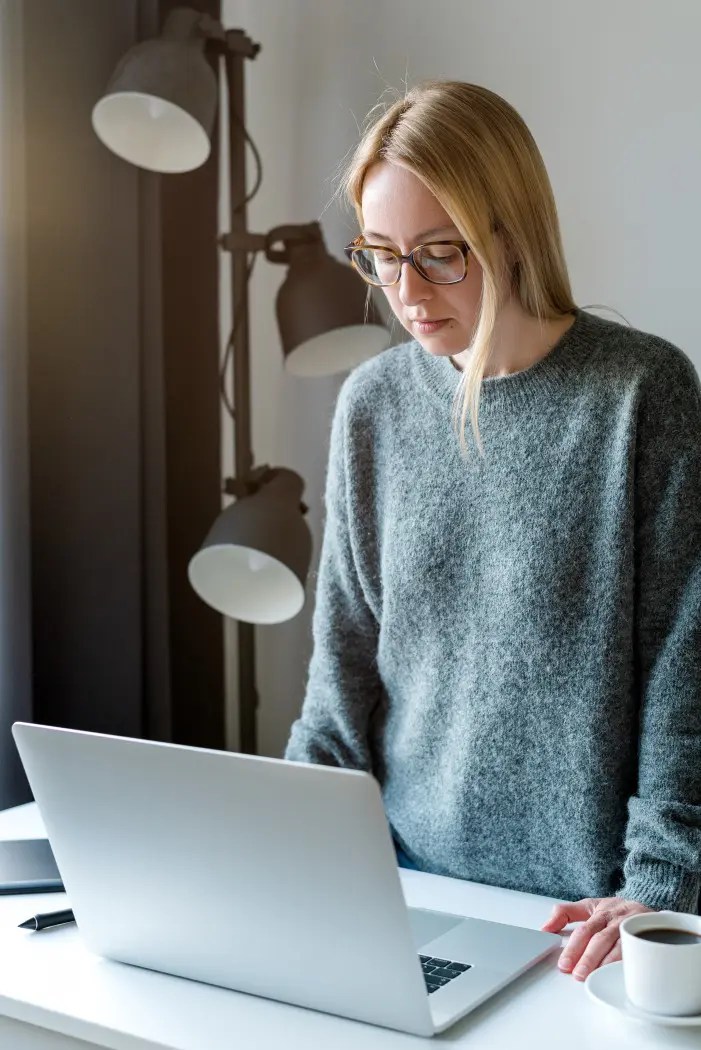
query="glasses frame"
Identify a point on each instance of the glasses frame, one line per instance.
(359, 245)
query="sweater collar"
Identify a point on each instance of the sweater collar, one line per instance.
(520, 389)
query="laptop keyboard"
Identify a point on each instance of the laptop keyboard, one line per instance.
(438, 972)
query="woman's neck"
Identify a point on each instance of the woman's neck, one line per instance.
(519, 341)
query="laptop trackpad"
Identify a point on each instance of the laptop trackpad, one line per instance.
(427, 925)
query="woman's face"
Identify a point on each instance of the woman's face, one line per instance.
(399, 211)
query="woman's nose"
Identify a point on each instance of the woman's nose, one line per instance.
(413, 288)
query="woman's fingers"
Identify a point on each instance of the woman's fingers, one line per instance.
(614, 955)
(588, 947)
(572, 911)
(596, 941)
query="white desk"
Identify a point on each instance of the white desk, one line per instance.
(55, 995)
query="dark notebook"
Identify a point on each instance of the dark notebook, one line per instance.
(28, 866)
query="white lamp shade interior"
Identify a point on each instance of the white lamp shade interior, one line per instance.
(338, 350)
(246, 584)
(150, 132)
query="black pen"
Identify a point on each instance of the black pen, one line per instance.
(50, 918)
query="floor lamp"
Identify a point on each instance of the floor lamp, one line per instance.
(157, 113)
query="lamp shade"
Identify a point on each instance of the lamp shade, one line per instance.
(254, 561)
(321, 313)
(158, 109)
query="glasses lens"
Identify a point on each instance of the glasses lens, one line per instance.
(441, 263)
(377, 266)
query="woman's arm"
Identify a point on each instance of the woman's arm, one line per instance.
(663, 838)
(343, 685)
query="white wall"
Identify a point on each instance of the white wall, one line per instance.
(610, 90)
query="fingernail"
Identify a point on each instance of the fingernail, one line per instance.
(581, 971)
(565, 965)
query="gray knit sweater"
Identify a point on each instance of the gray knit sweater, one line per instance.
(512, 646)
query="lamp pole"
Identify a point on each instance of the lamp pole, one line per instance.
(238, 47)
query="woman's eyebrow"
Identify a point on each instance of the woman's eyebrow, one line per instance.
(419, 236)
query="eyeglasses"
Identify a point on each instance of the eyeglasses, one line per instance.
(440, 262)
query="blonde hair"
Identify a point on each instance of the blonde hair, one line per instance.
(476, 155)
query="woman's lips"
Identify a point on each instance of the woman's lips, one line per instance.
(428, 327)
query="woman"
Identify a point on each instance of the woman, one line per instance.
(508, 635)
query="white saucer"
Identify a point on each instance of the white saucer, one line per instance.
(605, 986)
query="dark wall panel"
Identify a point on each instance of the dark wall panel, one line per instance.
(191, 364)
(83, 340)
(123, 348)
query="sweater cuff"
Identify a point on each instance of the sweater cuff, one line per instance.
(661, 886)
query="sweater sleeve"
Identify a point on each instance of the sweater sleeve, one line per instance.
(663, 837)
(343, 684)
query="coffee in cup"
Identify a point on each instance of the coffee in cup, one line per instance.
(662, 962)
(668, 935)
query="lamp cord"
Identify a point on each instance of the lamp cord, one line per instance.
(230, 346)
(259, 164)
(249, 270)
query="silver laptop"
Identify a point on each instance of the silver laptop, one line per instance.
(269, 877)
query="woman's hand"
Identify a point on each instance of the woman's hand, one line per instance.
(596, 941)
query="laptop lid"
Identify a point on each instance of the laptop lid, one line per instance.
(267, 876)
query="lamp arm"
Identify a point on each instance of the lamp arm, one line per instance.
(251, 242)
(219, 40)
(247, 486)
(300, 234)
(257, 480)
(309, 233)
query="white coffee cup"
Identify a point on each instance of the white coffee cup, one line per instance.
(662, 978)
